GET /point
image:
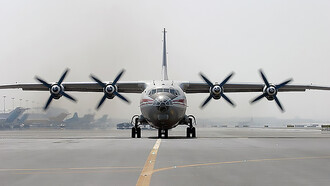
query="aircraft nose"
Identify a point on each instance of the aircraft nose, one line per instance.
(162, 102)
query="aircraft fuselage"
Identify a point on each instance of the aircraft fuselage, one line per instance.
(163, 104)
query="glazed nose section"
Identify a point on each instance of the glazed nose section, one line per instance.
(162, 102)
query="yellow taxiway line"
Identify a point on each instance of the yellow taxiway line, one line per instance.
(148, 169)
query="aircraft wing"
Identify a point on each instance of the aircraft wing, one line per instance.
(125, 87)
(201, 87)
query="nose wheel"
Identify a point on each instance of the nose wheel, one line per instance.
(162, 132)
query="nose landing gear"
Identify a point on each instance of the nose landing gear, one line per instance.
(162, 132)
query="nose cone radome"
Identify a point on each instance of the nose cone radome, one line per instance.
(162, 102)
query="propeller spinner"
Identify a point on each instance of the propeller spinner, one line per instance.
(110, 90)
(56, 89)
(216, 90)
(270, 91)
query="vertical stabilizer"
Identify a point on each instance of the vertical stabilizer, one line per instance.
(164, 66)
(13, 115)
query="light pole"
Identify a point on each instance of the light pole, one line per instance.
(4, 104)
(13, 102)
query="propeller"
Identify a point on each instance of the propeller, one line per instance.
(56, 89)
(216, 90)
(110, 90)
(270, 91)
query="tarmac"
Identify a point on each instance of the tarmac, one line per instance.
(218, 156)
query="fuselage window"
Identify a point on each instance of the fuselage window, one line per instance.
(153, 91)
(172, 91)
(177, 92)
(166, 90)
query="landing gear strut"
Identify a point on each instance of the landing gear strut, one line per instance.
(162, 132)
(191, 130)
(136, 130)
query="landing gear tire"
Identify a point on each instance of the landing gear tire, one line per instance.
(133, 132)
(159, 133)
(193, 132)
(138, 132)
(166, 133)
(188, 132)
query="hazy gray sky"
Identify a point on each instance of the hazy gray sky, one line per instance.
(285, 38)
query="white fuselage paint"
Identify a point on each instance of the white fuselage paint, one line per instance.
(163, 104)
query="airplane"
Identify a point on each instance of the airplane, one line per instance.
(9, 120)
(79, 122)
(43, 120)
(163, 102)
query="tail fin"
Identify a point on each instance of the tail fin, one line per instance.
(164, 66)
(75, 115)
(13, 115)
(23, 118)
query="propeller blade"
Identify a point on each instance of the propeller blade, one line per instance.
(279, 104)
(101, 102)
(68, 96)
(258, 98)
(43, 82)
(118, 77)
(283, 84)
(264, 78)
(48, 102)
(206, 101)
(98, 81)
(121, 97)
(63, 76)
(206, 80)
(227, 99)
(227, 78)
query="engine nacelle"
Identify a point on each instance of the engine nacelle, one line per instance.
(270, 92)
(56, 90)
(216, 91)
(109, 91)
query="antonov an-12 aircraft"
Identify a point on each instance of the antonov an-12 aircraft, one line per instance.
(163, 103)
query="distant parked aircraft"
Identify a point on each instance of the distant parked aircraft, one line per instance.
(79, 123)
(8, 120)
(43, 120)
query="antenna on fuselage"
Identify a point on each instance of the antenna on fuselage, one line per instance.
(164, 66)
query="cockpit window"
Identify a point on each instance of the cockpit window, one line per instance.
(170, 90)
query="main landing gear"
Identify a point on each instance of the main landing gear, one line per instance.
(191, 130)
(162, 132)
(136, 130)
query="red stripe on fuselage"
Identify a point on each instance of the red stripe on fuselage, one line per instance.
(179, 100)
